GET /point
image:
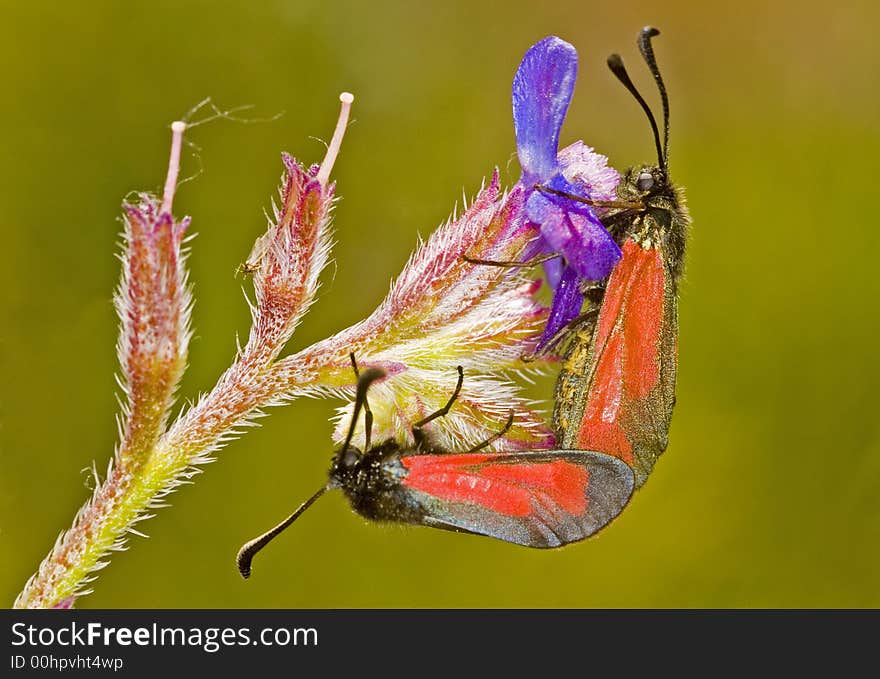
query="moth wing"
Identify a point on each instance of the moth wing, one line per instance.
(627, 404)
(536, 499)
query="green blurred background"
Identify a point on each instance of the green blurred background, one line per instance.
(768, 493)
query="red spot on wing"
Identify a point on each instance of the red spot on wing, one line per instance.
(641, 326)
(503, 487)
(627, 349)
(616, 291)
(600, 428)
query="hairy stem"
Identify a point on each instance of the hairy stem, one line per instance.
(124, 498)
(154, 309)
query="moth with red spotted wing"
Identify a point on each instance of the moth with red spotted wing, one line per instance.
(616, 389)
(537, 499)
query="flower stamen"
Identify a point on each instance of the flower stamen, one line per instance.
(336, 142)
(177, 128)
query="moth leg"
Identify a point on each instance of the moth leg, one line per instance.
(418, 433)
(533, 261)
(494, 437)
(614, 204)
(368, 414)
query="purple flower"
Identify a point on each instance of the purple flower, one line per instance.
(542, 89)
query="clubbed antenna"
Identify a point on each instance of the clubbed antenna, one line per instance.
(615, 63)
(249, 549)
(647, 51)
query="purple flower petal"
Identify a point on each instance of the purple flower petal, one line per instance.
(553, 271)
(540, 208)
(556, 230)
(567, 303)
(570, 227)
(542, 89)
(565, 202)
(591, 251)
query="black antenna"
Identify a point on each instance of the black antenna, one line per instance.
(367, 377)
(647, 51)
(615, 63)
(249, 549)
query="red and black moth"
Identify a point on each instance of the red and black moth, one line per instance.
(616, 389)
(614, 394)
(540, 499)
